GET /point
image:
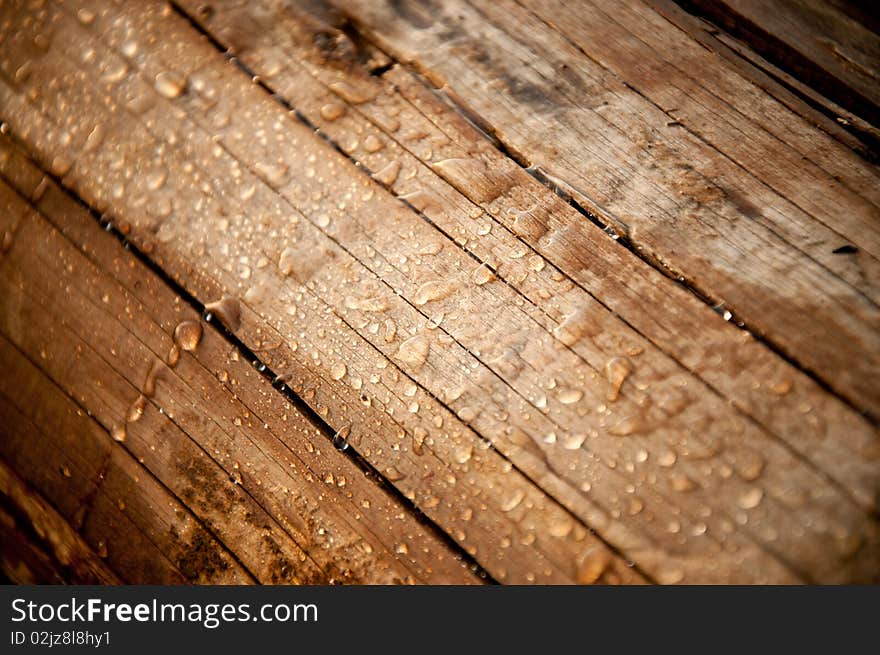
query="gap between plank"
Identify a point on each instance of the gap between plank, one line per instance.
(369, 471)
(560, 190)
(566, 193)
(545, 181)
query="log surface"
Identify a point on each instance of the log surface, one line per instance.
(442, 292)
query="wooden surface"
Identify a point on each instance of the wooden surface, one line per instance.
(519, 292)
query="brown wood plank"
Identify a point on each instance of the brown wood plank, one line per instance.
(512, 539)
(840, 123)
(256, 463)
(387, 262)
(305, 79)
(146, 535)
(817, 41)
(57, 553)
(629, 134)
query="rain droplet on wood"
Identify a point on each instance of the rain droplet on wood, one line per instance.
(433, 290)
(228, 310)
(387, 175)
(331, 111)
(170, 84)
(373, 143)
(616, 371)
(414, 351)
(593, 564)
(136, 409)
(187, 335)
(350, 93)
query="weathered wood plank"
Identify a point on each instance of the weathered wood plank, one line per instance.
(509, 537)
(815, 40)
(816, 109)
(280, 47)
(58, 553)
(145, 533)
(629, 134)
(353, 235)
(193, 395)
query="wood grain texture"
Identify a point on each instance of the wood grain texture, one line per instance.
(706, 175)
(556, 405)
(829, 45)
(240, 467)
(511, 509)
(64, 555)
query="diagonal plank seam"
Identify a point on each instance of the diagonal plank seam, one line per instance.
(360, 166)
(595, 214)
(327, 431)
(559, 190)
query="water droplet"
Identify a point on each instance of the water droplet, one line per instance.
(681, 482)
(670, 576)
(102, 550)
(340, 439)
(418, 440)
(170, 84)
(780, 388)
(390, 330)
(573, 327)
(387, 175)
(129, 48)
(616, 371)
(414, 351)
(751, 498)
(275, 174)
(156, 179)
(370, 304)
(463, 454)
(749, 464)
(482, 274)
(594, 563)
(513, 501)
(434, 322)
(427, 202)
(85, 16)
(136, 409)
(173, 356)
(393, 474)
(331, 111)
(433, 290)
(95, 138)
(625, 427)
(228, 310)
(350, 93)
(187, 335)
(573, 441)
(401, 549)
(286, 261)
(149, 388)
(6, 242)
(61, 165)
(118, 432)
(338, 371)
(373, 144)
(570, 396)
